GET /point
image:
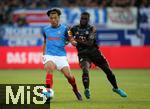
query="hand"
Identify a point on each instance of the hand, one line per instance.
(74, 43)
(81, 40)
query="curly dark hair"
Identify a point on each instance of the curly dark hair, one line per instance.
(85, 13)
(54, 11)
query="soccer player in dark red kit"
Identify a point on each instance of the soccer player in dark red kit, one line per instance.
(54, 54)
(88, 52)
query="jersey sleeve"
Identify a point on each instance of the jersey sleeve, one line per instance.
(92, 35)
(43, 33)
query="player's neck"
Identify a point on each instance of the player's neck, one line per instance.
(57, 26)
(83, 26)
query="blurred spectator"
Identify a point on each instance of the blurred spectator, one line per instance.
(145, 3)
(1, 14)
(69, 3)
(32, 5)
(104, 3)
(91, 3)
(7, 6)
(120, 3)
(21, 21)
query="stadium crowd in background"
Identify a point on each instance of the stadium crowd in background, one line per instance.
(7, 6)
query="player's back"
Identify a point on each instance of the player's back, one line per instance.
(55, 40)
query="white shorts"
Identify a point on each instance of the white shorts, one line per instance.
(59, 61)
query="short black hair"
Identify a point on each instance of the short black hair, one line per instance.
(53, 11)
(85, 13)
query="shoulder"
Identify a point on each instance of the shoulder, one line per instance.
(46, 27)
(76, 26)
(92, 27)
(64, 26)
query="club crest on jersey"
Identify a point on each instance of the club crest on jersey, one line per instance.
(87, 32)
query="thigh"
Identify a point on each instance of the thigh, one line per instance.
(84, 61)
(49, 66)
(98, 59)
(49, 63)
(61, 61)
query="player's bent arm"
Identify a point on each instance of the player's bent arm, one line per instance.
(91, 38)
(73, 42)
(71, 39)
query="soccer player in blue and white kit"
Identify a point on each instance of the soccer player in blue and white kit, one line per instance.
(54, 54)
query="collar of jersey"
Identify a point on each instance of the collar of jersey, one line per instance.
(56, 27)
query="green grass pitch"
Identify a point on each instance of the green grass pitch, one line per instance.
(135, 82)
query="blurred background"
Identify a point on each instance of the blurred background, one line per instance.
(123, 28)
(123, 35)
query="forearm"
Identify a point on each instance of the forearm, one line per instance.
(87, 43)
(71, 39)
